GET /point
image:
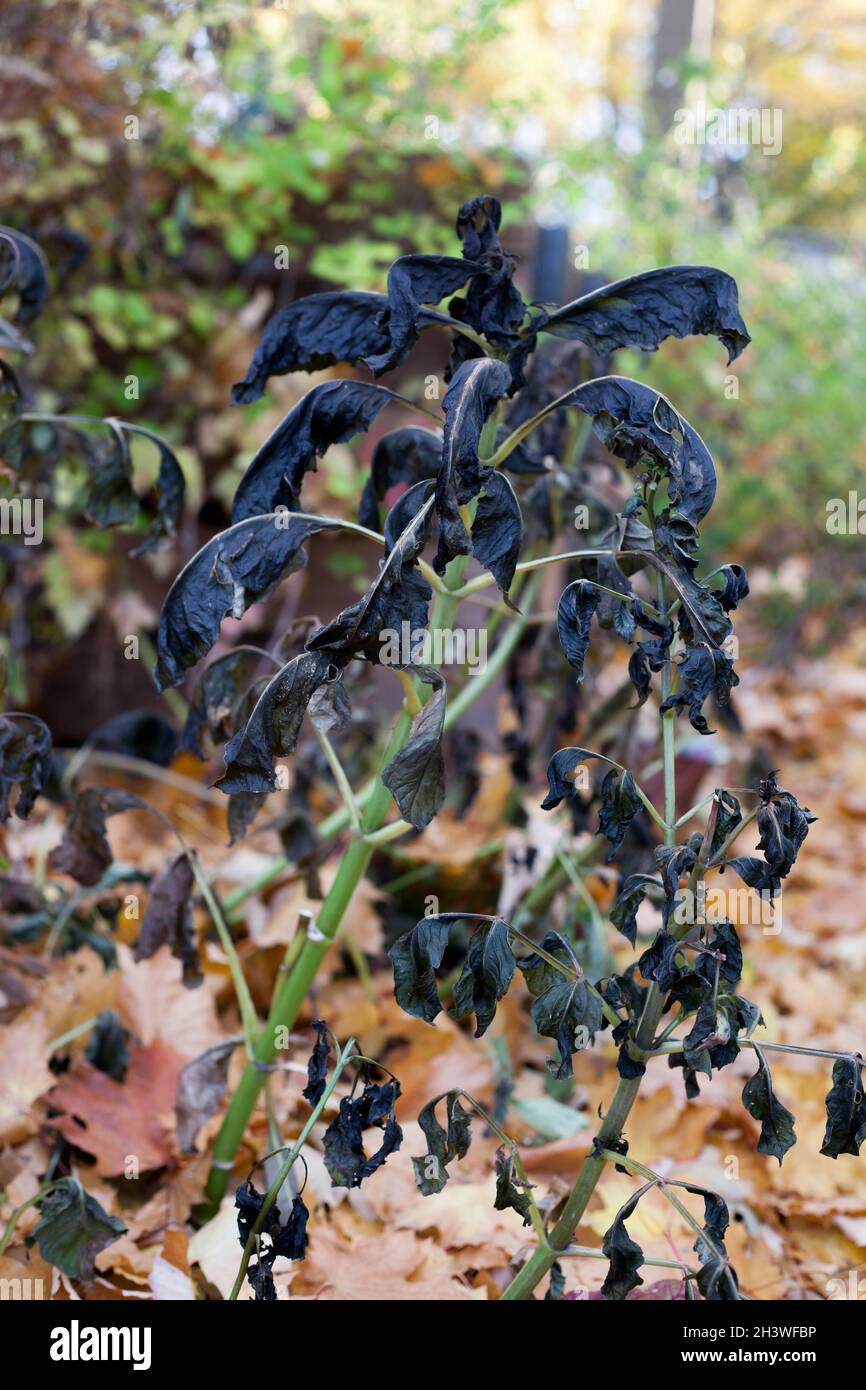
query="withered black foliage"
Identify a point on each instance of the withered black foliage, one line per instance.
(289, 1240)
(846, 1109)
(564, 1007)
(486, 975)
(399, 594)
(237, 568)
(511, 1190)
(468, 403)
(273, 727)
(168, 920)
(415, 776)
(783, 825)
(216, 694)
(25, 763)
(574, 613)
(328, 414)
(623, 914)
(444, 1144)
(415, 957)
(777, 1123)
(108, 1045)
(414, 281)
(317, 1066)
(23, 270)
(717, 1279)
(624, 1254)
(660, 962)
(315, 332)
(497, 529)
(409, 455)
(641, 311)
(84, 851)
(343, 1143)
(620, 802)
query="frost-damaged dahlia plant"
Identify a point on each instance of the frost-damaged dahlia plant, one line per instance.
(491, 481)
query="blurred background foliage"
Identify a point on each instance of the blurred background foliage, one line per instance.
(170, 156)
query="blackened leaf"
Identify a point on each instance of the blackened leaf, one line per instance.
(273, 727)
(703, 671)
(556, 1287)
(249, 1202)
(497, 530)
(242, 811)
(468, 403)
(329, 707)
(107, 1046)
(415, 776)
(659, 962)
(777, 1123)
(413, 281)
(510, 1188)
(728, 815)
(399, 594)
(328, 414)
(216, 693)
(170, 490)
(73, 1228)
(138, 733)
(784, 826)
(24, 269)
(493, 305)
(641, 427)
(625, 1255)
(260, 1275)
(315, 332)
(674, 861)
(620, 804)
(443, 1145)
(237, 568)
(291, 1240)
(487, 973)
(726, 944)
(846, 1110)
(640, 312)
(25, 762)
(317, 1066)
(343, 1145)
(573, 617)
(717, 1280)
(559, 781)
(564, 1007)
(168, 920)
(415, 957)
(623, 914)
(84, 851)
(201, 1086)
(409, 455)
(736, 587)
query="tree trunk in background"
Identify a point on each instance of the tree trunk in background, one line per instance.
(677, 21)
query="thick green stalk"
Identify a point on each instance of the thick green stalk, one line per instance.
(291, 993)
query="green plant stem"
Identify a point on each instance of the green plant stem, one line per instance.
(247, 1008)
(274, 1190)
(19, 1211)
(295, 985)
(339, 775)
